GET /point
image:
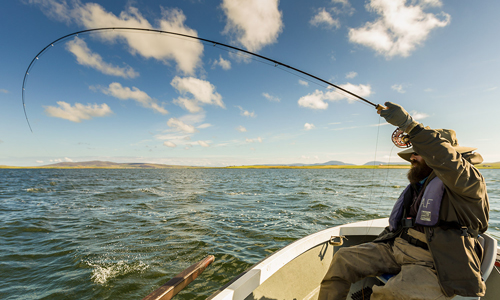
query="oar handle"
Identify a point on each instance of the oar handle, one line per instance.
(176, 284)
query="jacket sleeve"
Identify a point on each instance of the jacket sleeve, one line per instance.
(457, 173)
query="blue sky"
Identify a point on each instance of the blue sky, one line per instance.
(135, 97)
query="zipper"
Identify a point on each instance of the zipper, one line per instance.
(431, 233)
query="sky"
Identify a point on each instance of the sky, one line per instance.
(126, 96)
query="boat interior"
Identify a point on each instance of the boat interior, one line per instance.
(296, 273)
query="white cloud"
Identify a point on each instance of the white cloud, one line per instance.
(67, 159)
(4, 91)
(253, 23)
(193, 118)
(491, 89)
(169, 144)
(201, 91)
(223, 63)
(241, 129)
(428, 90)
(78, 112)
(203, 126)
(188, 104)
(431, 3)
(246, 113)
(308, 126)
(418, 115)
(116, 90)
(258, 139)
(303, 82)
(343, 2)
(186, 53)
(271, 98)
(324, 18)
(345, 9)
(39, 161)
(177, 136)
(351, 75)
(399, 28)
(398, 88)
(86, 57)
(181, 126)
(181, 129)
(203, 143)
(317, 99)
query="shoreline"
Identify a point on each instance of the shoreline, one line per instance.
(482, 166)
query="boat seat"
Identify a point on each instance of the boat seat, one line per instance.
(489, 257)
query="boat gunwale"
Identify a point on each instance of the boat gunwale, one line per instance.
(246, 282)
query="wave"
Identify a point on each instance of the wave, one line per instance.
(104, 272)
(38, 190)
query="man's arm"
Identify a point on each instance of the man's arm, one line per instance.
(456, 173)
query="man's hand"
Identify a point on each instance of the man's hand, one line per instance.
(396, 115)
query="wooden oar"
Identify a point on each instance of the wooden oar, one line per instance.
(176, 284)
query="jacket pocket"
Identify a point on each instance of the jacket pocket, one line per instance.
(472, 247)
(457, 263)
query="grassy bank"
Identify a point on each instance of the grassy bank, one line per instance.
(153, 166)
(321, 167)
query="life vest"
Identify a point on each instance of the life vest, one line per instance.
(428, 211)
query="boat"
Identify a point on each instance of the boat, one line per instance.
(296, 271)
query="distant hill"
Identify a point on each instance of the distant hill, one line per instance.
(111, 165)
(378, 163)
(328, 163)
(333, 163)
(97, 164)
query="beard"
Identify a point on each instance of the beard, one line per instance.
(418, 171)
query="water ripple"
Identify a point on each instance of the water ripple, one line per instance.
(113, 234)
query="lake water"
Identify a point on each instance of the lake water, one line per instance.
(120, 234)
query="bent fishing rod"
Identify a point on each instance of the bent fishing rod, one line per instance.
(215, 43)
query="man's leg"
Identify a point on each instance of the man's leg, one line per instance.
(354, 263)
(417, 279)
(414, 282)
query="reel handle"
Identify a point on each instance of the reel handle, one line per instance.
(399, 138)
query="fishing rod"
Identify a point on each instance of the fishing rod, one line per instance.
(275, 62)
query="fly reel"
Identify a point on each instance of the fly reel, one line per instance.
(401, 139)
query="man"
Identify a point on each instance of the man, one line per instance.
(431, 244)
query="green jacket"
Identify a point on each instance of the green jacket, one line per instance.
(465, 202)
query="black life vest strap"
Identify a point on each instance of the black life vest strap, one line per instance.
(455, 225)
(415, 242)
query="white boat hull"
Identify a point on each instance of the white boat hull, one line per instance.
(296, 271)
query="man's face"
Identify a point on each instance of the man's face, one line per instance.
(419, 169)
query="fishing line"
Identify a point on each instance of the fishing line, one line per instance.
(373, 172)
(288, 71)
(175, 34)
(384, 185)
(278, 67)
(285, 70)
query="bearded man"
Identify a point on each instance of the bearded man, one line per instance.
(431, 241)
